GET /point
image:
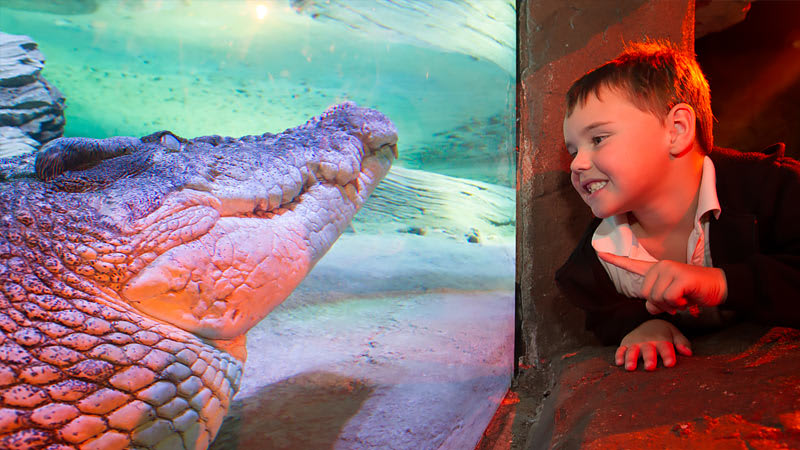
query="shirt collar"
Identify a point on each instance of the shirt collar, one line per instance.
(707, 199)
(614, 234)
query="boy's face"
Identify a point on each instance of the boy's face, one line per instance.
(619, 153)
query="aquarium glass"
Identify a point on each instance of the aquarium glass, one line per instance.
(402, 335)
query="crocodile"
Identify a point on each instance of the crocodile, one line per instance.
(132, 268)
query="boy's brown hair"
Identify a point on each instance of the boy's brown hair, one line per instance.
(656, 76)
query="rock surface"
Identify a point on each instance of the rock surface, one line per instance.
(27, 101)
(740, 390)
(14, 142)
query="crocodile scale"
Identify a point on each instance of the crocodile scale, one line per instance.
(88, 373)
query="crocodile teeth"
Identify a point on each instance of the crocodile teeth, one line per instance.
(352, 194)
(595, 186)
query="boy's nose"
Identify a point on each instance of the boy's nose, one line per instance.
(580, 162)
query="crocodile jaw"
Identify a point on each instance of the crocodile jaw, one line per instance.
(223, 281)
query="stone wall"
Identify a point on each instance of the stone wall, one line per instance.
(558, 42)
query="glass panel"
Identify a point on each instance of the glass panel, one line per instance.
(402, 335)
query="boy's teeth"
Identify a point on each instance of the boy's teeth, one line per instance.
(591, 187)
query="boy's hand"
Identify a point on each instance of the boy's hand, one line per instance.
(650, 339)
(669, 285)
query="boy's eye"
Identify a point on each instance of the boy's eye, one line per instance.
(598, 139)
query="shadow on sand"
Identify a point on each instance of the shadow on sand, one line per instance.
(305, 411)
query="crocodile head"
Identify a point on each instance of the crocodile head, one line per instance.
(215, 232)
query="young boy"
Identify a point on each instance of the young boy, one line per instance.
(686, 237)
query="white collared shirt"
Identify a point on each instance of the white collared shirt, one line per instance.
(614, 235)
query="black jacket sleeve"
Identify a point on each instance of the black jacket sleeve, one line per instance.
(756, 241)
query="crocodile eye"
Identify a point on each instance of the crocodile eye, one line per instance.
(169, 141)
(166, 139)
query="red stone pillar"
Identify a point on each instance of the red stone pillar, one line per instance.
(558, 42)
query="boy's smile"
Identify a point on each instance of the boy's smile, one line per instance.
(620, 154)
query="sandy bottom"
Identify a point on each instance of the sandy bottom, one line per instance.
(404, 352)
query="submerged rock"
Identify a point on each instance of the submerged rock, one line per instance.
(27, 101)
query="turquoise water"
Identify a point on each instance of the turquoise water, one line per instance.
(236, 67)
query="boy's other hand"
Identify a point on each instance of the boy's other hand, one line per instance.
(651, 339)
(670, 286)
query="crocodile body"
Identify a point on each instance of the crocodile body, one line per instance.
(131, 269)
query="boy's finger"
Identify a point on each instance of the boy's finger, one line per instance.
(632, 357)
(631, 265)
(619, 358)
(660, 285)
(684, 350)
(646, 291)
(649, 356)
(680, 303)
(675, 294)
(667, 352)
(654, 309)
(682, 344)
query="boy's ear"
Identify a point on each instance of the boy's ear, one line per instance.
(682, 121)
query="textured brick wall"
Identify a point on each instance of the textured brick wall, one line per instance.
(558, 42)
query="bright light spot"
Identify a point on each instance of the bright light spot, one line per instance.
(261, 12)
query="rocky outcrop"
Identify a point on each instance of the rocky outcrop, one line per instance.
(14, 142)
(28, 103)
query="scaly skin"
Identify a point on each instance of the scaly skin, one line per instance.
(129, 278)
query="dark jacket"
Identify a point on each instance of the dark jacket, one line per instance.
(756, 242)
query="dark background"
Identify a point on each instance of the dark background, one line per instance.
(753, 68)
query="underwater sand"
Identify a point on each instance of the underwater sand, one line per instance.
(376, 350)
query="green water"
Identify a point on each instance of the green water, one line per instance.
(237, 67)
